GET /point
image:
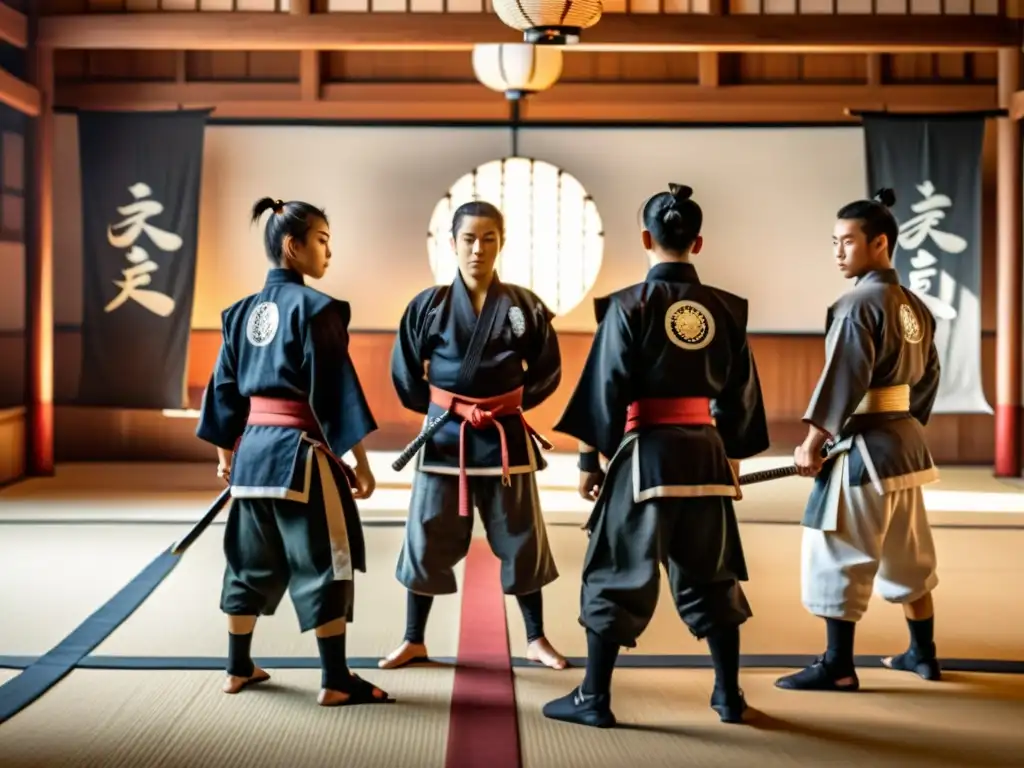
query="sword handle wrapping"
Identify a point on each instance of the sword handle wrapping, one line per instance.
(767, 474)
(413, 448)
(780, 472)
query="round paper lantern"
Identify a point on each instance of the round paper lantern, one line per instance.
(547, 21)
(517, 69)
(554, 239)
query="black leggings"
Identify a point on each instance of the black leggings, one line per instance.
(418, 609)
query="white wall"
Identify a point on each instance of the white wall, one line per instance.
(769, 198)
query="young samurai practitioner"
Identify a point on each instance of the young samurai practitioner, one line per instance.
(282, 405)
(670, 392)
(484, 350)
(865, 521)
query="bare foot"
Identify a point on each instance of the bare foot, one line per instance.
(405, 653)
(234, 684)
(542, 651)
(331, 698)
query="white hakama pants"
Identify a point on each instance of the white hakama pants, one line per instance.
(880, 541)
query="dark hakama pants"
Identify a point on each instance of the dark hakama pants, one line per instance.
(272, 545)
(437, 538)
(695, 538)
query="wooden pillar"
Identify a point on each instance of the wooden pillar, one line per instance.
(1010, 254)
(309, 61)
(39, 272)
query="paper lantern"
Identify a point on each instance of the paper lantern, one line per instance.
(549, 22)
(517, 69)
(554, 238)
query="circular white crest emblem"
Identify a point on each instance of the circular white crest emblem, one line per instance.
(262, 326)
(518, 322)
(912, 331)
(689, 325)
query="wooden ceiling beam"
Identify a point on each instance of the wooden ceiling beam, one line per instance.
(568, 103)
(13, 27)
(209, 31)
(19, 95)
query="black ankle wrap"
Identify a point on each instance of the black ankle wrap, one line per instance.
(239, 655)
(417, 609)
(334, 673)
(532, 606)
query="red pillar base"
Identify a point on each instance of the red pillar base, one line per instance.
(1008, 418)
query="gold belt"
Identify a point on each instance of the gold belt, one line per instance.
(885, 400)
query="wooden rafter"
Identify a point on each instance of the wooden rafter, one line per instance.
(460, 31)
(13, 27)
(569, 102)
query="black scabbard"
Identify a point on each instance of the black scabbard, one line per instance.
(204, 522)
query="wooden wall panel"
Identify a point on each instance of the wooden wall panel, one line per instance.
(12, 444)
(788, 366)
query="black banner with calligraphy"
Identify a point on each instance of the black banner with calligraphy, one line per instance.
(141, 176)
(934, 165)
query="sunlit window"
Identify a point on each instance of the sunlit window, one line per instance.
(554, 237)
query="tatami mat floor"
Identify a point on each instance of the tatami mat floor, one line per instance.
(131, 719)
(979, 614)
(54, 574)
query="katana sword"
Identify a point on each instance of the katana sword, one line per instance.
(413, 448)
(204, 522)
(778, 473)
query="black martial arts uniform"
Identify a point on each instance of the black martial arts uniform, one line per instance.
(488, 370)
(285, 397)
(670, 392)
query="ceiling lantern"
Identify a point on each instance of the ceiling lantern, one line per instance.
(547, 22)
(517, 69)
(554, 239)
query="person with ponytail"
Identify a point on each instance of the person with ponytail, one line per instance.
(282, 405)
(670, 395)
(865, 524)
(472, 358)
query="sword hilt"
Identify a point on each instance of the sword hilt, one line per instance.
(778, 473)
(767, 474)
(413, 448)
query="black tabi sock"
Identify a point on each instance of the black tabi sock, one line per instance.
(601, 657)
(417, 609)
(922, 637)
(532, 606)
(724, 645)
(839, 655)
(239, 655)
(334, 673)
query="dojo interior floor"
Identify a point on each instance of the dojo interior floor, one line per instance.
(68, 543)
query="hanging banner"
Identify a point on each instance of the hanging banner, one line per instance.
(934, 165)
(141, 175)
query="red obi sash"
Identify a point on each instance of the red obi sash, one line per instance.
(480, 413)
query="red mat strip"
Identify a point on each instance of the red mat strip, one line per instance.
(483, 730)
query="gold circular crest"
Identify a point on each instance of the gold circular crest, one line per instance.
(912, 331)
(689, 325)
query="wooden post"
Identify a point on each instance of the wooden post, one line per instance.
(309, 60)
(1008, 274)
(39, 269)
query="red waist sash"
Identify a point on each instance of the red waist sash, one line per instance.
(669, 411)
(279, 412)
(480, 413)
